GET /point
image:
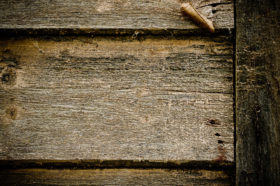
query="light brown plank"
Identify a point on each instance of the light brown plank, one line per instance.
(113, 177)
(106, 98)
(110, 14)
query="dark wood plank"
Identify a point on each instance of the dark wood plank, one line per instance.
(117, 98)
(113, 177)
(258, 92)
(110, 14)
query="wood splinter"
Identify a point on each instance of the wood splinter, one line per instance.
(189, 10)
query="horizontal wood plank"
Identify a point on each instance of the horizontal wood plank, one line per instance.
(110, 14)
(113, 177)
(116, 98)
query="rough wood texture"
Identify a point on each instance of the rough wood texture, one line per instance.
(110, 14)
(258, 92)
(106, 98)
(113, 177)
(118, 164)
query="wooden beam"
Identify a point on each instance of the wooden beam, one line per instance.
(258, 92)
(114, 177)
(151, 98)
(92, 15)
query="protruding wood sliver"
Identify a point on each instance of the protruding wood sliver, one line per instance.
(198, 18)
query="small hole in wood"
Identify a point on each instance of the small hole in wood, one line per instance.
(258, 108)
(214, 11)
(220, 142)
(6, 78)
(217, 134)
(213, 122)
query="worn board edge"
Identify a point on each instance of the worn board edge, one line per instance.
(106, 164)
(257, 92)
(111, 32)
(114, 177)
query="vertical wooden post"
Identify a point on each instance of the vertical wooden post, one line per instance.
(258, 92)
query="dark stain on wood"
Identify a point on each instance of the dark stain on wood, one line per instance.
(222, 153)
(8, 66)
(11, 113)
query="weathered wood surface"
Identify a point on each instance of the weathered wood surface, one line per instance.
(258, 92)
(117, 98)
(113, 177)
(110, 14)
(227, 166)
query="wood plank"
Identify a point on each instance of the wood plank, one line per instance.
(113, 177)
(110, 14)
(117, 98)
(258, 93)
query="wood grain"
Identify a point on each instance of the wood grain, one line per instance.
(117, 98)
(113, 177)
(258, 92)
(110, 14)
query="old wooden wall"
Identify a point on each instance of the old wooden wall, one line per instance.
(117, 80)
